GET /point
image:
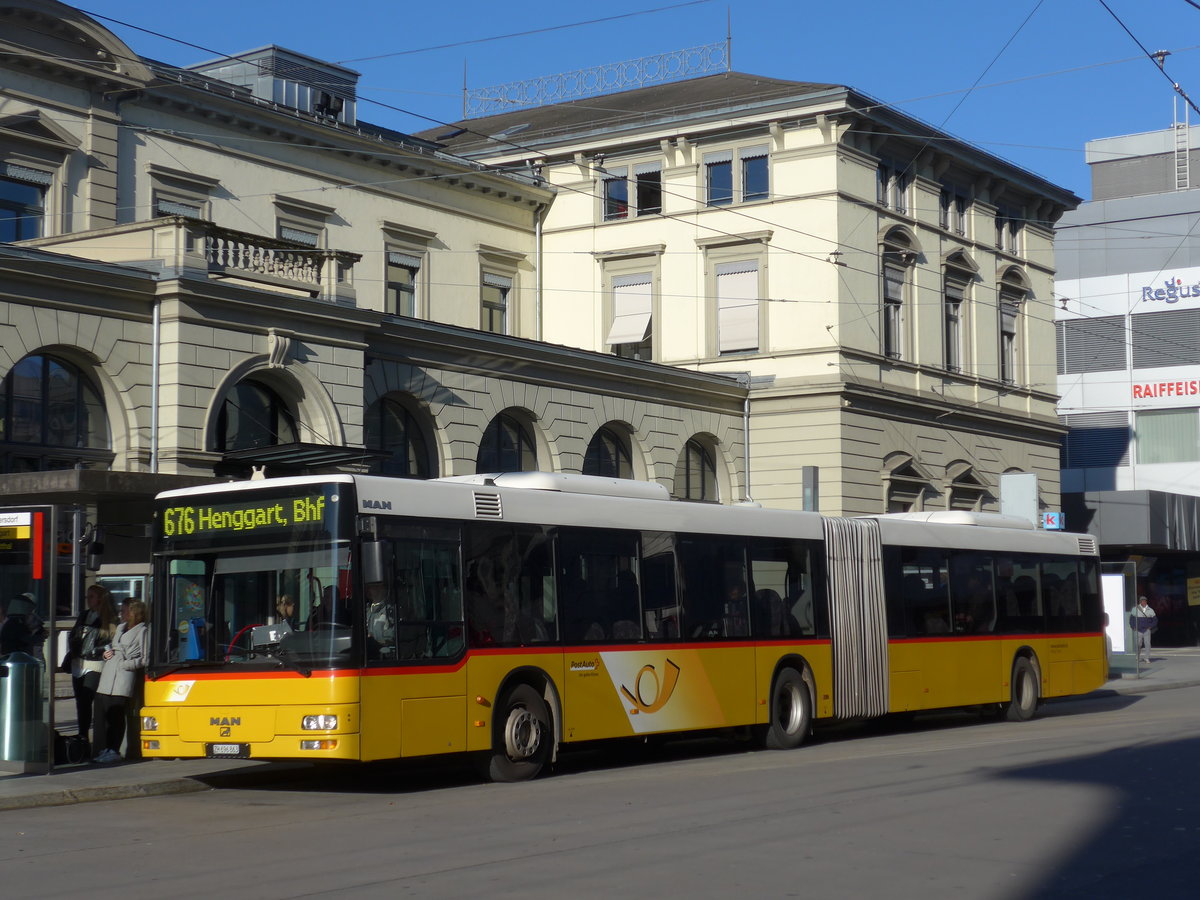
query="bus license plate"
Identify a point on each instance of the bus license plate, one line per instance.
(228, 751)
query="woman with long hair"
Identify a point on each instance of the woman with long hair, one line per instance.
(91, 633)
(120, 681)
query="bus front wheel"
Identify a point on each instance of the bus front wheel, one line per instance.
(1024, 691)
(790, 711)
(522, 739)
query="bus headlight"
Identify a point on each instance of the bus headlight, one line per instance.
(149, 723)
(318, 745)
(319, 723)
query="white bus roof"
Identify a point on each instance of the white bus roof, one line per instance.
(546, 498)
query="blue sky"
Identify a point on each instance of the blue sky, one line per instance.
(1027, 80)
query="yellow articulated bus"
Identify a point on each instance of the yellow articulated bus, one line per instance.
(507, 616)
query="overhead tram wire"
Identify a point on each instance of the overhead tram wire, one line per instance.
(516, 34)
(1153, 57)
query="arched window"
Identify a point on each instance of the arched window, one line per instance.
(507, 446)
(254, 416)
(51, 417)
(1013, 292)
(896, 259)
(965, 490)
(608, 454)
(905, 486)
(959, 272)
(696, 474)
(391, 427)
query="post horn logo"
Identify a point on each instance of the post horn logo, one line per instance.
(662, 690)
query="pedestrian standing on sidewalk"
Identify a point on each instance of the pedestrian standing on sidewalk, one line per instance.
(124, 666)
(91, 633)
(1144, 622)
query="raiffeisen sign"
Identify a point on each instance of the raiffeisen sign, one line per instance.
(1171, 290)
(1156, 390)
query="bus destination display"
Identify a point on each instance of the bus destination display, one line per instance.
(207, 520)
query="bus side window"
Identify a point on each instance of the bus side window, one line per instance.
(660, 601)
(508, 569)
(715, 587)
(420, 616)
(1060, 594)
(923, 590)
(783, 603)
(972, 594)
(1090, 599)
(1018, 603)
(599, 585)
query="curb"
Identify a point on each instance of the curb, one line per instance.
(1136, 687)
(71, 796)
(185, 784)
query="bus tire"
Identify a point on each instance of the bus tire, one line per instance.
(522, 738)
(790, 712)
(1025, 691)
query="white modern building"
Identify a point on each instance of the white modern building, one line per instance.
(1128, 322)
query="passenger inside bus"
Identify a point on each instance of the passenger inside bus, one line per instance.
(626, 617)
(331, 612)
(772, 616)
(285, 610)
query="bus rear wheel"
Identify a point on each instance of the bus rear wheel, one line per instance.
(1025, 691)
(522, 738)
(790, 712)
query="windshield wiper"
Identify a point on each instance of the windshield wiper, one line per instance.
(291, 664)
(154, 673)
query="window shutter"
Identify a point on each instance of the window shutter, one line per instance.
(893, 283)
(631, 309)
(737, 306)
(1167, 338)
(27, 175)
(1091, 345)
(403, 259)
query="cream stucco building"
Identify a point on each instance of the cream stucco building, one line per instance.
(884, 289)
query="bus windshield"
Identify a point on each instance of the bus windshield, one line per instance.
(249, 584)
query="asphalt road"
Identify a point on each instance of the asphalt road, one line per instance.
(1094, 799)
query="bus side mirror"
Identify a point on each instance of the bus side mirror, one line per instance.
(377, 561)
(95, 554)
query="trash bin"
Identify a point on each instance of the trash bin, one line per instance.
(22, 729)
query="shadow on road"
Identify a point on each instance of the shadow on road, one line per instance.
(1147, 847)
(399, 777)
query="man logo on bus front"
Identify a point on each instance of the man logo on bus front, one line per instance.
(662, 692)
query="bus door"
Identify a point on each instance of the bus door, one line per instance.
(945, 611)
(414, 683)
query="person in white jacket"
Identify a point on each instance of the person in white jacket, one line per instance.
(1144, 621)
(120, 681)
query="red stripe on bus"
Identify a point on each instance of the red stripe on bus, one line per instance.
(951, 638)
(434, 668)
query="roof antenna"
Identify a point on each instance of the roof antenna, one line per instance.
(728, 39)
